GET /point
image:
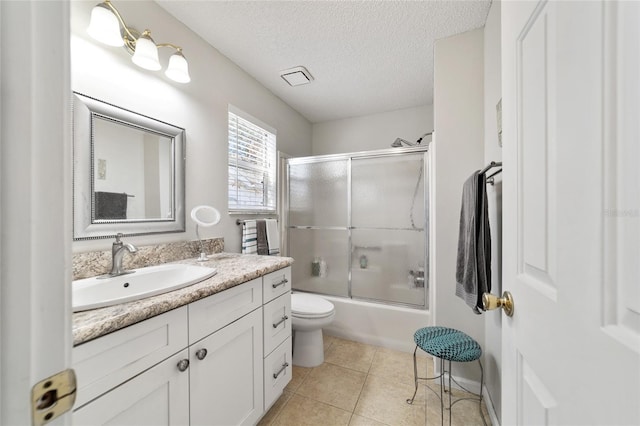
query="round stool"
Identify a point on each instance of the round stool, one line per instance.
(448, 344)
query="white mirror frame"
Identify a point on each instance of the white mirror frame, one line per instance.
(84, 227)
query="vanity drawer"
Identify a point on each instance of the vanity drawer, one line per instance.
(278, 368)
(277, 322)
(214, 312)
(276, 283)
(104, 363)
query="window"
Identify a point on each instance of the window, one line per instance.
(252, 164)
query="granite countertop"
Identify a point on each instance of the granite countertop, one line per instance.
(233, 269)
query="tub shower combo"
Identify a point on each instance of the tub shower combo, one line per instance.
(357, 225)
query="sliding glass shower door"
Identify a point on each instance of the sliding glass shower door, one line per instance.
(357, 225)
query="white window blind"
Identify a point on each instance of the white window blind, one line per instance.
(252, 164)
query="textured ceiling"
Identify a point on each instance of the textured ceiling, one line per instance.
(366, 56)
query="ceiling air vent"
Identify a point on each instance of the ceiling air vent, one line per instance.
(296, 76)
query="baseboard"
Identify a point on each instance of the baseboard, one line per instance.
(490, 408)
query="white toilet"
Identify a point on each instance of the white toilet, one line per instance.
(309, 314)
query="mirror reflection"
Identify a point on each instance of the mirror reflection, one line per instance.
(132, 186)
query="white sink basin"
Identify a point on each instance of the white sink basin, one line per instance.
(91, 293)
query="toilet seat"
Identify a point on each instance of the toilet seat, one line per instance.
(310, 306)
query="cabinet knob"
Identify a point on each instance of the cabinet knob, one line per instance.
(183, 364)
(201, 354)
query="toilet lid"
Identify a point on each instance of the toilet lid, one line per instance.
(307, 305)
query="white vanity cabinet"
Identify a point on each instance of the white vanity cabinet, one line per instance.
(216, 361)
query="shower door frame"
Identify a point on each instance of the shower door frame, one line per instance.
(349, 157)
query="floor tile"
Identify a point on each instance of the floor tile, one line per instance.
(298, 376)
(348, 354)
(333, 385)
(364, 385)
(385, 401)
(301, 411)
(327, 341)
(275, 409)
(398, 366)
(357, 420)
(465, 413)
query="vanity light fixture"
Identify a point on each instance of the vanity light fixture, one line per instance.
(108, 27)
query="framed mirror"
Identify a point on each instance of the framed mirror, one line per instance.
(128, 172)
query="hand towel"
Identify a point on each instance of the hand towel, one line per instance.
(110, 205)
(273, 236)
(261, 228)
(249, 237)
(473, 268)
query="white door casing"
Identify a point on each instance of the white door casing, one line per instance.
(35, 227)
(571, 232)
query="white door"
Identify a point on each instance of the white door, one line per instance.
(571, 351)
(35, 187)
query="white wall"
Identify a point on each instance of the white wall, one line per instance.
(375, 131)
(200, 107)
(493, 152)
(457, 152)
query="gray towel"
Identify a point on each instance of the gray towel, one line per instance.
(110, 205)
(263, 246)
(473, 269)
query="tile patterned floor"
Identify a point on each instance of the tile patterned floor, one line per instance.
(364, 385)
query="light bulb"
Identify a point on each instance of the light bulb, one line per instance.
(104, 26)
(178, 69)
(146, 53)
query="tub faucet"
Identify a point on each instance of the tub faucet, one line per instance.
(117, 253)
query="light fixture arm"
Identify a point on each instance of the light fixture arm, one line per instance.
(132, 34)
(108, 26)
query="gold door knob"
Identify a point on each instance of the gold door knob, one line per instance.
(490, 302)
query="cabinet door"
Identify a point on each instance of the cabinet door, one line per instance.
(227, 379)
(159, 396)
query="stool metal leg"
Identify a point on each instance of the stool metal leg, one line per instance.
(442, 371)
(415, 376)
(450, 392)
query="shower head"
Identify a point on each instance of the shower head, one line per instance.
(400, 142)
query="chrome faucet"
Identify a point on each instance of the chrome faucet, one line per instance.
(117, 253)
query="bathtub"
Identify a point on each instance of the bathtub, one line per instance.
(377, 324)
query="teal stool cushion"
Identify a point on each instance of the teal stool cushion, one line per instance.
(447, 343)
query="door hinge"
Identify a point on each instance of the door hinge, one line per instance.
(53, 397)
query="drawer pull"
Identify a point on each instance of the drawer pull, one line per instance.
(283, 282)
(201, 354)
(183, 364)
(283, 319)
(284, 366)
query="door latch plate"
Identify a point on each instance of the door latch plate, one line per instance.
(53, 397)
